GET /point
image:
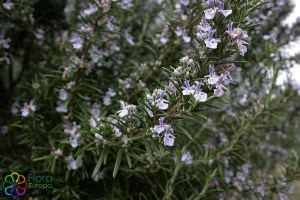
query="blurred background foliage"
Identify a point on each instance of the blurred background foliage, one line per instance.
(252, 139)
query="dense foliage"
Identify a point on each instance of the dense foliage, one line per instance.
(158, 99)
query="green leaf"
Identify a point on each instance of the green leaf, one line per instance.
(117, 164)
(128, 160)
(42, 158)
(99, 163)
(149, 151)
(185, 131)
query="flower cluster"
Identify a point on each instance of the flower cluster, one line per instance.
(72, 163)
(95, 118)
(205, 31)
(194, 90)
(157, 99)
(63, 96)
(213, 9)
(164, 132)
(72, 129)
(28, 108)
(126, 109)
(239, 37)
(8, 5)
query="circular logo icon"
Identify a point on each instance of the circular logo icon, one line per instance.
(15, 185)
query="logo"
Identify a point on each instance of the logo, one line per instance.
(14, 185)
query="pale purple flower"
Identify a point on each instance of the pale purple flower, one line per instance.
(111, 23)
(199, 95)
(227, 73)
(114, 47)
(295, 85)
(32, 106)
(4, 42)
(187, 90)
(169, 138)
(40, 34)
(118, 132)
(107, 99)
(228, 176)
(76, 41)
(224, 12)
(74, 140)
(261, 189)
(128, 37)
(63, 94)
(61, 107)
(201, 35)
(92, 8)
(27, 109)
(182, 32)
(72, 164)
(179, 31)
(212, 77)
(211, 42)
(239, 35)
(241, 45)
(235, 32)
(167, 129)
(125, 4)
(93, 122)
(204, 25)
(96, 55)
(162, 103)
(185, 37)
(124, 111)
(161, 127)
(150, 113)
(178, 6)
(71, 129)
(95, 110)
(282, 196)
(163, 39)
(211, 12)
(242, 48)
(8, 5)
(185, 2)
(187, 158)
(219, 91)
(183, 17)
